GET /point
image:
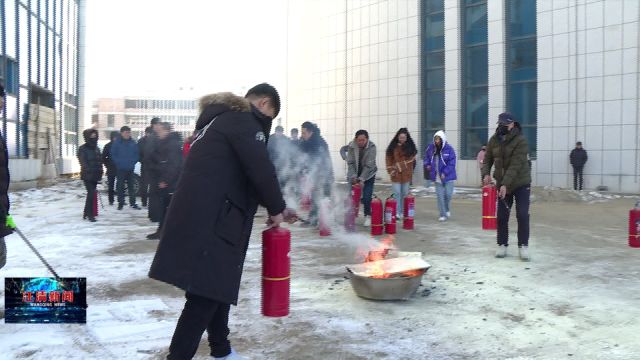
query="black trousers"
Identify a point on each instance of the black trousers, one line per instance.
(91, 193)
(144, 185)
(521, 196)
(577, 177)
(201, 313)
(126, 176)
(111, 186)
(165, 197)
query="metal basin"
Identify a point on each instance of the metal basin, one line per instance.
(394, 288)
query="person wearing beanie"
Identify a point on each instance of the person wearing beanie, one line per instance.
(578, 158)
(90, 169)
(508, 151)
(206, 230)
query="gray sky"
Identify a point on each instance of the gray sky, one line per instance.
(145, 47)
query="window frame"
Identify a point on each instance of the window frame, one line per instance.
(530, 128)
(466, 127)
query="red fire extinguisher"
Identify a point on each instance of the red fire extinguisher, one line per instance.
(349, 216)
(634, 226)
(276, 244)
(376, 216)
(356, 194)
(489, 205)
(352, 205)
(409, 212)
(323, 218)
(95, 204)
(390, 206)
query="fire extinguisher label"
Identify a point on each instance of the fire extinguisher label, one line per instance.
(388, 216)
(637, 227)
(411, 211)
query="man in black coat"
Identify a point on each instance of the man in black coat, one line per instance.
(111, 167)
(154, 203)
(166, 162)
(578, 158)
(90, 169)
(4, 189)
(144, 168)
(206, 232)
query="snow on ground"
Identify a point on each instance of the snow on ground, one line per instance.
(577, 298)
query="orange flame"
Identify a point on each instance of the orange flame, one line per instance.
(379, 251)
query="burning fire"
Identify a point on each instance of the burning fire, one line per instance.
(380, 251)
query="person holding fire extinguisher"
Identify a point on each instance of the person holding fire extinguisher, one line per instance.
(508, 151)
(362, 169)
(207, 227)
(440, 167)
(401, 159)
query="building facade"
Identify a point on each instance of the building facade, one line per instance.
(567, 69)
(40, 68)
(110, 114)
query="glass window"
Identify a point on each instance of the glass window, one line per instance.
(522, 56)
(11, 77)
(472, 141)
(475, 103)
(523, 102)
(435, 79)
(433, 70)
(435, 31)
(476, 106)
(522, 18)
(432, 6)
(475, 24)
(521, 68)
(435, 59)
(476, 65)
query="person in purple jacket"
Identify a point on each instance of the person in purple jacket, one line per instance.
(440, 167)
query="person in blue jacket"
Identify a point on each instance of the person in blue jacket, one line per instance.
(440, 167)
(125, 155)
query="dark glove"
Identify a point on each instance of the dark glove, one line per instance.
(427, 172)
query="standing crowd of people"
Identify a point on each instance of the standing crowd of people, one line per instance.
(234, 165)
(160, 152)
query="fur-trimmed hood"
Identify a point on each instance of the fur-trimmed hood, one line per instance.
(213, 105)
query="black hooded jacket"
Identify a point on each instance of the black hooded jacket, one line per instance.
(165, 162)
(106, 155)
(578, 157)
(226, 175)
(90, 158)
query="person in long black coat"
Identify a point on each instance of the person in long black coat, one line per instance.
(90, 169)
(111, 167)
(167, 163)
(208, 224)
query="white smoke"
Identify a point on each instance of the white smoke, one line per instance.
(302, 176)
